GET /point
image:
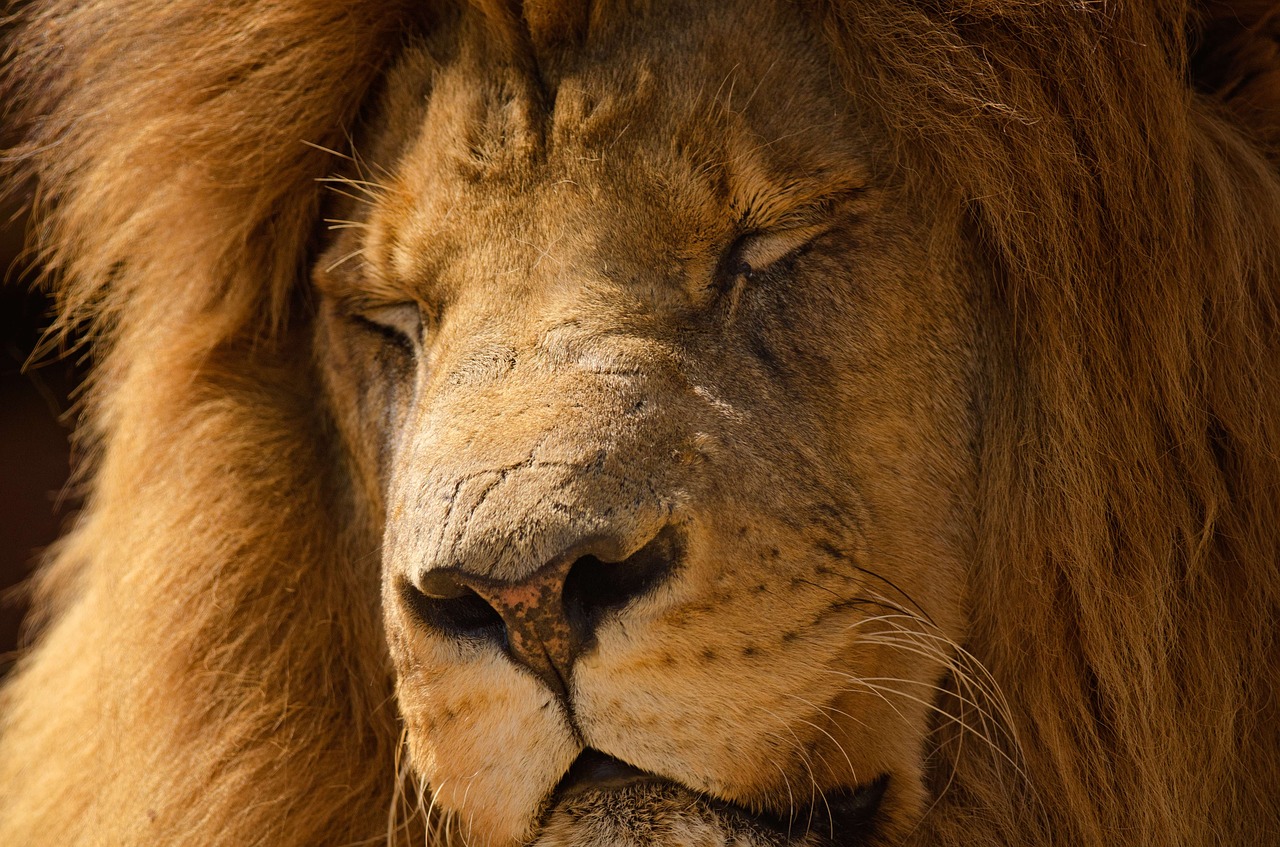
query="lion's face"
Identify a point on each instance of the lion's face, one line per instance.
(660, 383)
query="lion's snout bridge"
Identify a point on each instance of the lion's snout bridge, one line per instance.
(530, 505)
(546, 619)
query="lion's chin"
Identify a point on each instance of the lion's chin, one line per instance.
(602, 802)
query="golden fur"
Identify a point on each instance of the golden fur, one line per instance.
(210, 665)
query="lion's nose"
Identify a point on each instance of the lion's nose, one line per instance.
(549, 618)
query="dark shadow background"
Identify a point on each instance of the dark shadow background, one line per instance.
(33, 436)
(34, 416)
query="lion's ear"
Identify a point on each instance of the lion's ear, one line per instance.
(1236, 58)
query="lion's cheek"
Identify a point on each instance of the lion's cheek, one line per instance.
(495, 773)
(692, 707)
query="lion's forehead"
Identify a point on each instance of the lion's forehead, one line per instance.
(647, 157)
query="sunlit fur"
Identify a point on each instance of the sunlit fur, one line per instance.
(208, 666)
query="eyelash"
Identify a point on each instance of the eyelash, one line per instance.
(739, 266)
(388, 333)
(733, 266)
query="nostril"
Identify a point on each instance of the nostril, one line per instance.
(451, 608)
(594, 586)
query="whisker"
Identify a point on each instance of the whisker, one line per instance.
(324, 149)
(435, 823)
(398, 788)
(967, 701)
(362, 200)
(965, 667)
(355, 183)
(791, 798)
(344, 259)
(943, 713)
(339, 223)
(837, 744)
(372, 190)
(853, 772)
(999, 719)
(805, 760)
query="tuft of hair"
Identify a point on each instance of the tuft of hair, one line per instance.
(211, 668)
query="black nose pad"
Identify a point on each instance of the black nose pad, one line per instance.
(546, 620)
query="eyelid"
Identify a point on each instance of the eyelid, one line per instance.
(760, 250)
(402, 319)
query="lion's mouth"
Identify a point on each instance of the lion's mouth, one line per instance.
(601, 786)
(596, 771)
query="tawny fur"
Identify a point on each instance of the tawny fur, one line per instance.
(202, 674)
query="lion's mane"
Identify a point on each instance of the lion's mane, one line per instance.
(203, 673)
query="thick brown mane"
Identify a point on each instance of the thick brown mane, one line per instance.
(1128, 587)
(1130, 460)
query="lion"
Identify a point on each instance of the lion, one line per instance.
(741, 423)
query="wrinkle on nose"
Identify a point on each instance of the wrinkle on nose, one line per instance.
(508, 520)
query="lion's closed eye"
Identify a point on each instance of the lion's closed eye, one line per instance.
(398, 323)
(754, 253)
